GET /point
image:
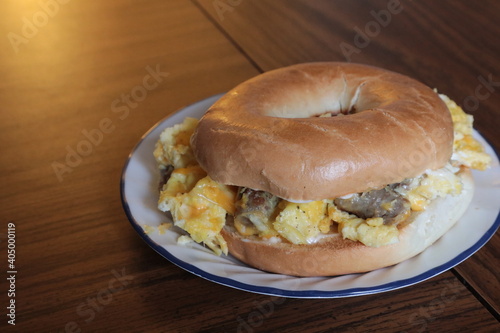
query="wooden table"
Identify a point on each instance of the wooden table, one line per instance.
(92, 76)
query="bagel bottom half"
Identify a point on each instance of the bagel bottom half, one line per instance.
(333, 255)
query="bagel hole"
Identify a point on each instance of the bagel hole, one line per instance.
(328, 114)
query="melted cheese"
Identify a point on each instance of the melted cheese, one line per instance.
(181, 181)
(434, 184)
(299, 223)
(218, 194)
(197, 203)
(371, 232)
(173, 147)
(466, 150)
(201, 218)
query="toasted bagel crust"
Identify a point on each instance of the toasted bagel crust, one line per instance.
(262, 135)
(335, 256)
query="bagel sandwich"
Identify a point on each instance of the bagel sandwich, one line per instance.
(320, 169)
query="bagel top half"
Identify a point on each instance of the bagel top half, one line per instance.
(267, 133)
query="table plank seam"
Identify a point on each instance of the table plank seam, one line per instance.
(226, 35)
(476, 294)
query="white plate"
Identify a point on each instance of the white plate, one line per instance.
(139, 185)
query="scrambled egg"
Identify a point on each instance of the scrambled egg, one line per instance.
(301, 223)
(202, 217)
(199, 205)
(161, 229)
(371, 232)
(466, 150)
(173, 148)
(433, 184)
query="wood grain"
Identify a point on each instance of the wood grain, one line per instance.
(81, 267)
